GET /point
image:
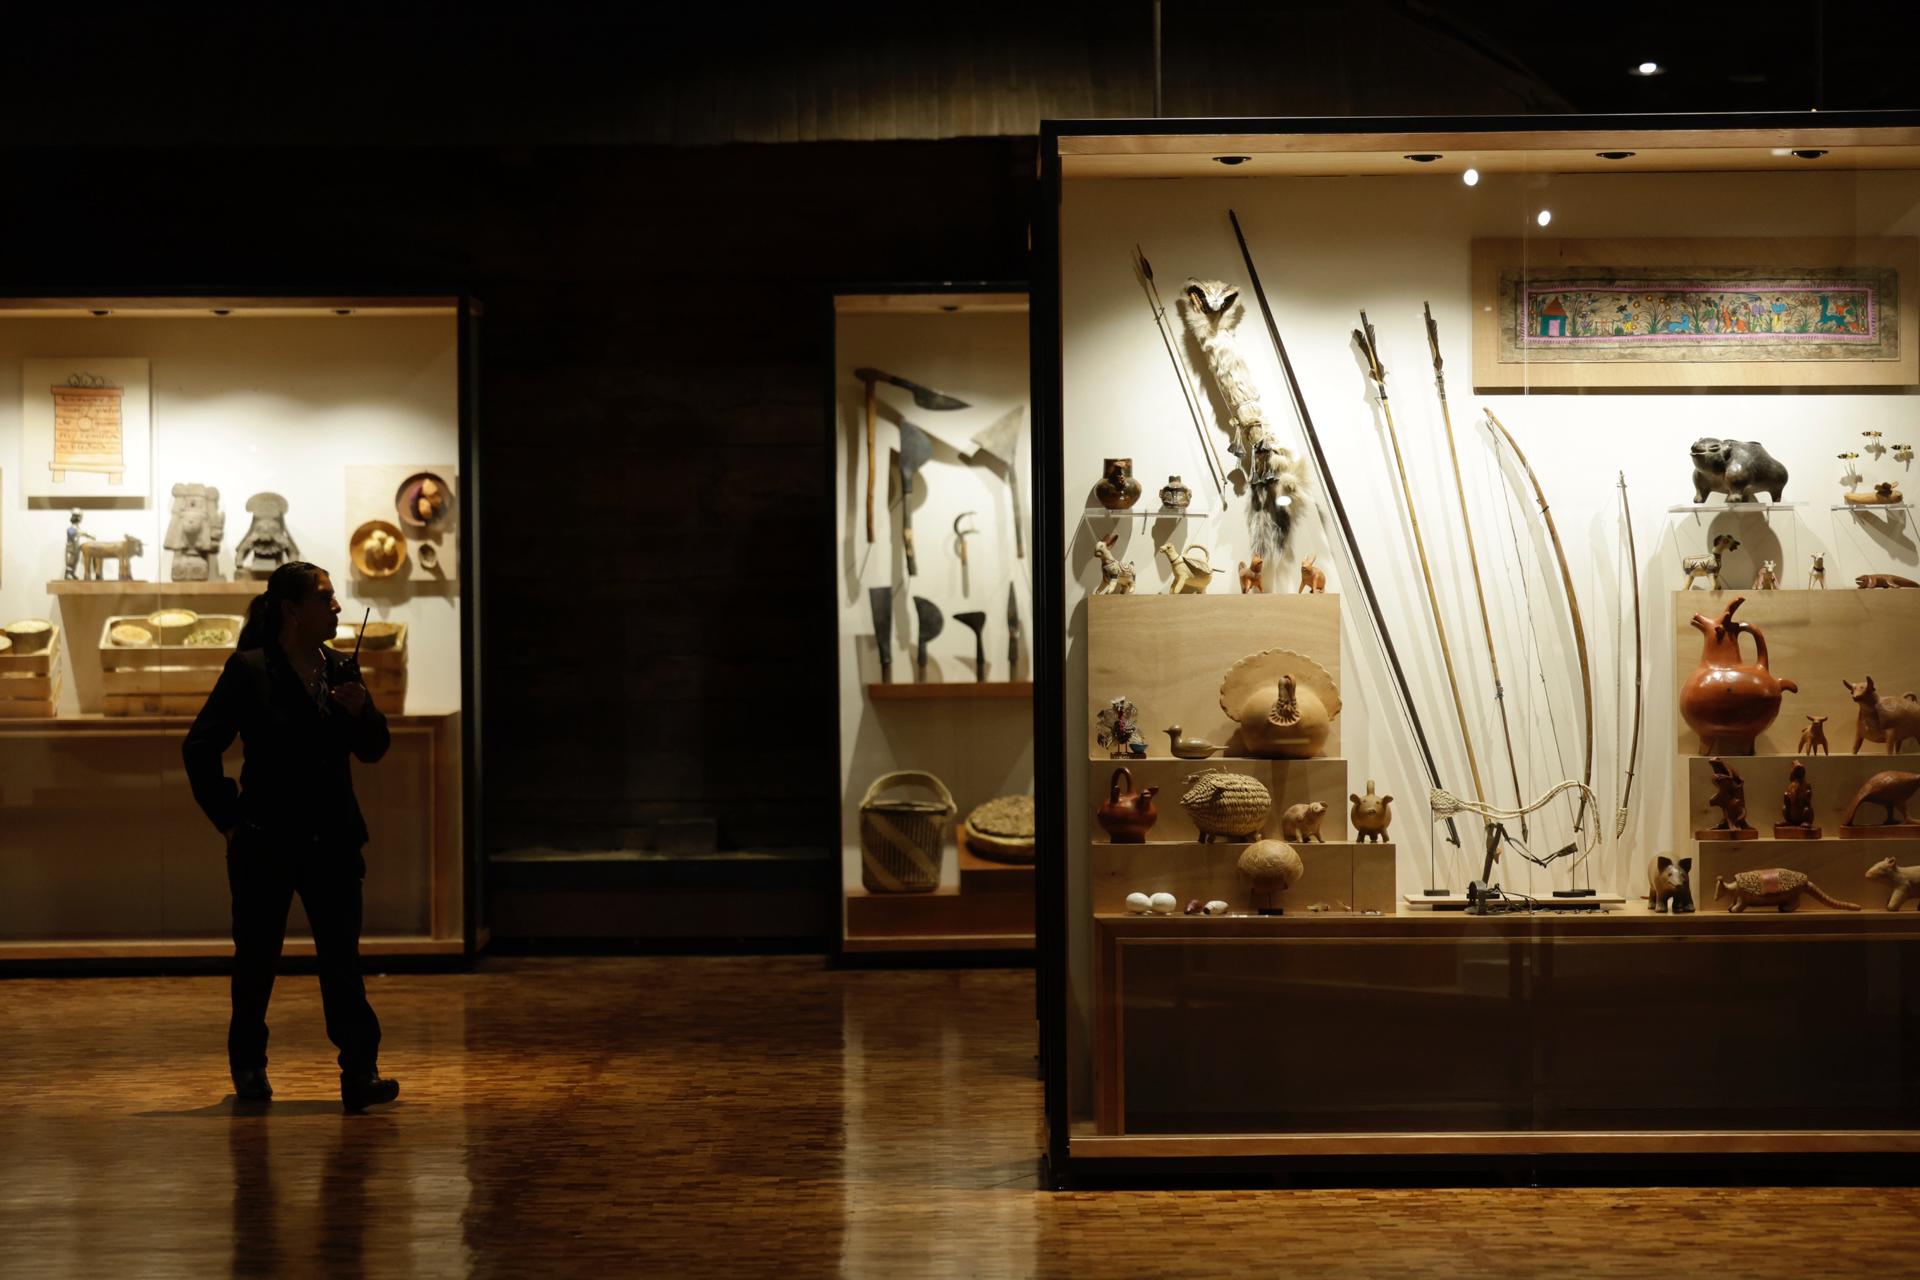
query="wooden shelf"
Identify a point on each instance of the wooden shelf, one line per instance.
(115, 587)
(982, 875)
(955, 690)
(1358, 875)
(945, 919)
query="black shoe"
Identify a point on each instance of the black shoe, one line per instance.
(362, 1089)
(250, 1085)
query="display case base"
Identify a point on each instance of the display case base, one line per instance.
(1894, 831)
(1717, 834)
(1783, 832)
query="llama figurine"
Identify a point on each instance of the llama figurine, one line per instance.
(1708, 566)
(1250, 577)
(1312, 581)
(1817, 575)
(1116, 579)
(1767, 579)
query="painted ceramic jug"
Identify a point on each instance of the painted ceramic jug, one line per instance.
(1290, 721)
(1117, 489)
(1727, 700)
(1127, 815)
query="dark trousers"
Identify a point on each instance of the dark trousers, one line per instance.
(264, 872)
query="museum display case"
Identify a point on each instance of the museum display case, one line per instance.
(1498, 745)
(159, 457)
(931, 462)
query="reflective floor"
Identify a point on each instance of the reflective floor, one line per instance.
(723, 1117)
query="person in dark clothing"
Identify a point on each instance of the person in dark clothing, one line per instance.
(292, 825)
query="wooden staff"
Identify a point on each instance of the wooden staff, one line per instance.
(1639, 698)
(1364, 336)
(871, 384)
(1215, 465)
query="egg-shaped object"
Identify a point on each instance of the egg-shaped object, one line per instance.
(1139, 902)
(1164, 904)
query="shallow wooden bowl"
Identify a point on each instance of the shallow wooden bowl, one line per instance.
(370, 559)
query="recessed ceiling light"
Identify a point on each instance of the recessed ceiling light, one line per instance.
(222, 311)
(1807, 153)
(1471, 177)
(100, 311)
(1544, 217)
(1421, 157)
(343, 311)
(1614, 155)
(1649, 69)
(1230, 161)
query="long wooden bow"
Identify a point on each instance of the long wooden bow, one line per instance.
(1573, 605)
(1639, 700)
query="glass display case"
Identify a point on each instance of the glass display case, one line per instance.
(159, 457)
(930, 432)
(1447, 776)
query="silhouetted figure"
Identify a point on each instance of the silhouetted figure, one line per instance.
(292, 824)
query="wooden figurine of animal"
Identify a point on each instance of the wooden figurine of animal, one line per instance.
(1185, 748)
(1670, 885)
(1250, 577)
(1192, 570)
(1729, 797)
(1766, 579)
(1888, 720)
(1300, 823)
(1817, 575)
(92, 553)
(1738, 468)
(1371, 815)
(1891, 790)
(1313, 581)
(1813, 738)
(1777, 887)
(1116, 579)
(1796, 806)
(1871, 581)
(1905, 881)
(1708, 566)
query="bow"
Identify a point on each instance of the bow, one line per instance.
(1639, 702)
(1573, 608)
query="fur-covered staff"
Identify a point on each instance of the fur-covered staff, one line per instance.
(1215, 466)
(1275, 476)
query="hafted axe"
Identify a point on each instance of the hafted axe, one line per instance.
(916, 446)
(881, 601)
(931, 621)
(925, 397)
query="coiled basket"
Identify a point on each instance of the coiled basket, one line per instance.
(901, 840)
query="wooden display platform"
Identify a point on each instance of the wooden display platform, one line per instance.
(1837, 866)
(983, 875)
(30, 682)
(1420, 902)
(86, 606)
(1342, 875)
(944, 920)
(958, 690)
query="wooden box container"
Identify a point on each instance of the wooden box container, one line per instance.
(162, 679)
(30, 682)
(384, 669)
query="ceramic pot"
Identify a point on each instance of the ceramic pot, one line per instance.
(1117, 489)
(1727, 700)
(1288, 720)
(1174, 495)
(1127, 815)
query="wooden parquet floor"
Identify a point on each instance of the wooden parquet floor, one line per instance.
(721, 1117)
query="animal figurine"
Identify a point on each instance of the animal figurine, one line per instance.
(1884, 494)
(1891, 720)
(1777, 887)
(92, 553)
(1882, 581)
(1226, 806)
(1766, 580)
(1119, 730)
(1891, 790)
(1116, 579)
(1730, 798)
(1817, 575)
(1192, 570)
(1670, 885)
(1275, 475)
(1903, 453)
(1813, 738)
(1250, 577)
(1301, 822)
(1708, 566)
(1371, 815)
(1313, 581)
(1185, 748)
(1796, 807)
(1738, 468)
(1905, 881)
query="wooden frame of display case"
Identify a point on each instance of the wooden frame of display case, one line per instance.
(1093, 1133)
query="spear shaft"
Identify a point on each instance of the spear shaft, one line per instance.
(1215, 466)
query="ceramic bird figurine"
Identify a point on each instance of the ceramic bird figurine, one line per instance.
(1186, 748)
(1192, 570)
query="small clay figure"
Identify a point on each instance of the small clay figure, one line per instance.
(1119, 732)
(1192, 570)
(194, 533)
(1312, 581)
(1777, 887)
(1185, 748)
(1708, 566)
(1888, 720)
(75, 536)
(1301, 822)
(1116, 579)
(1670, 885)
(1738, 468)
(1891, 790)
(1796, 807)
(1730, 798)
(1766, 580)
(1371, 815)
(1127, 815)
(1905, 881)
(267, 544)
(1250, 577)
(1813, 738)
(93, 552)
(1882, 581)
(1817, 575)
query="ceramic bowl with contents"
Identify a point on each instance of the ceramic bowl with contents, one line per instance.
(130, 635)
(29, 635)
(172, 625)
(210, 638)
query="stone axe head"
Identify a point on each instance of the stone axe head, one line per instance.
(916, 446)
(977, 621)
(881, 599)
(931, 622)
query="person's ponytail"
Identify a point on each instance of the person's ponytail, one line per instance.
(291, 583)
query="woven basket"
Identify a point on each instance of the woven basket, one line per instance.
(1230, 805)
(1001, 830)
(901, 840)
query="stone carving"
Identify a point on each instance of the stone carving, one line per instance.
(1738, 468)
(194, 533)
(267, 545)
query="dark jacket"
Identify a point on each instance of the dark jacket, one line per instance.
(296, 779)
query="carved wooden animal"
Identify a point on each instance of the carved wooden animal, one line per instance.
(1817, 575)
(1708, 566)
(1192, 570)
(1300, 823)
(1869, 581)
(1778, 887)
(1250, 577)
(1670, 884)
(1116, 579)
(1766, 579)
(1796, 803)
(1888, 720)
(1891, 790)
(1905, 881)
(92, 553)
(1729, 797)
(1312, 580)
(1813, 738)
(1371, 815)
